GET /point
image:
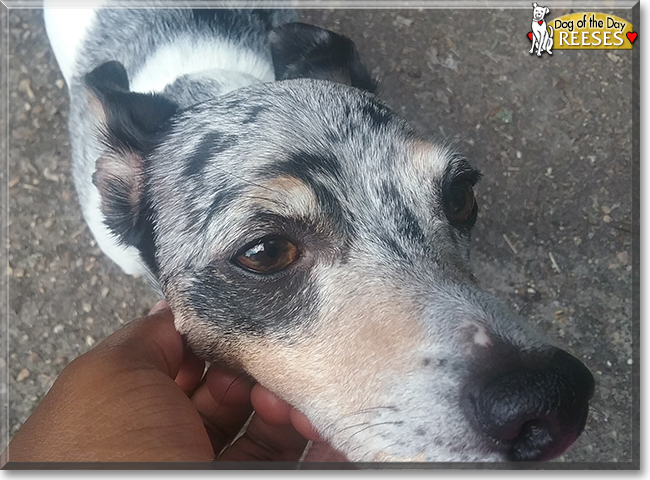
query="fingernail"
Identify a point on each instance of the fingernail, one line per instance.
(161, 305)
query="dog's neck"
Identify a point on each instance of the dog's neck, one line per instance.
(202, 86)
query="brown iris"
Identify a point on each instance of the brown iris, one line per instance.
(460, 202)
(267, 256)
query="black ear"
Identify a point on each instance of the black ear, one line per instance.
(129, 118)
(128, 124)
(300, 50)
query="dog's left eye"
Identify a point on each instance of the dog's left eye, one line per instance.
(459, 202)
(267, 256)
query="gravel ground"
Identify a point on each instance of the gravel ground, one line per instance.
(552, 136)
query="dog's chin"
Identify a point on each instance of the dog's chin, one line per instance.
(385, 456)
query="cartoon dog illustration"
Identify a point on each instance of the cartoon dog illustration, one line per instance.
(542, 34)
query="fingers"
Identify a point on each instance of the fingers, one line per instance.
(275, 411)
(323, 452)
(226, 400)
(263, 442)
(190, 372)
(271, 409)
(304, 426)
(161, 305)
(223, 401)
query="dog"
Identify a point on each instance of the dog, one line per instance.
(304, 233)
(542, 33)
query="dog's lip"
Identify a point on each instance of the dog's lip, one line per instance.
(560, 445)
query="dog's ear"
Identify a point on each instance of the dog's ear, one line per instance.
(547, 11)
(535, 5)
(300, 50)
(128, 123)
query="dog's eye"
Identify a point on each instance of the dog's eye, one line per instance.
(460, 203)
(267, 256)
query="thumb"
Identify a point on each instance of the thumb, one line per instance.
(149, 342)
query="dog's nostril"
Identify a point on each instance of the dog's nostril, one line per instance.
(536, 413)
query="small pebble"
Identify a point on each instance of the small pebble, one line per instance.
(58, 329)
(26, 86)
(630, 361)
(22, 375)
(403, 21)
(607, 219)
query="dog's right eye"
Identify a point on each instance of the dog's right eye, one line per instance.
(267, 255)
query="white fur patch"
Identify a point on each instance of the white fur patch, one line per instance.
(127, 257)
(66, 28)
(188, 56)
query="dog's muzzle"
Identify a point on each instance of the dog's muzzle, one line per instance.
(533, 412)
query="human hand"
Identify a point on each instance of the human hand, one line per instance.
(140, 395)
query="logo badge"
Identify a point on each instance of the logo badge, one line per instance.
(578, 31)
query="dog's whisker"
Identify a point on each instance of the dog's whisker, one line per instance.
(600, 412)
(373, 425)
(361, 412)
(366, 427)
(376, 434)
(362, 424)
(368, 452)
(587, 432)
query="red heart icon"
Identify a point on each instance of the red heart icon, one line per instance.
(631, 36)
(540, 22)
(530, 36)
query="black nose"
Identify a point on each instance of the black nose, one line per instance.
(536, 413)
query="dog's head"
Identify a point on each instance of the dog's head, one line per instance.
(539, 12)
(305, 233)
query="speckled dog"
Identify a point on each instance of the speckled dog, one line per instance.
(304, 233)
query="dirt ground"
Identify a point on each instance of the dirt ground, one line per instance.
(553, 136)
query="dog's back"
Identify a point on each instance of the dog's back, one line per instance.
(167, 42)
